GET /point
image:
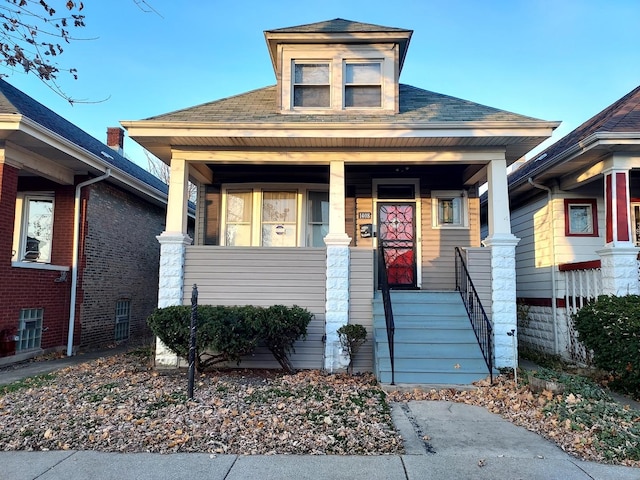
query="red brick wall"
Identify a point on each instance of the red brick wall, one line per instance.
(34, 288)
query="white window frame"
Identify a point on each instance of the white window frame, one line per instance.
(346, 85)
(635, 222)
(437, 196)
(294, 84)
(338, 56)
(21, 225)
(257, 190)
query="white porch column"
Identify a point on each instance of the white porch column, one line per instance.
(619, 256)
(503, 265)
(337, 271)
(173, 243)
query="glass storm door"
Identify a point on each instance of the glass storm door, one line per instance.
(396, 235)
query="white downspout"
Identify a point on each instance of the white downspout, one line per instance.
(74, 260)
(554, 310)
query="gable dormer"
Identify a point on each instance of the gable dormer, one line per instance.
(338, 66)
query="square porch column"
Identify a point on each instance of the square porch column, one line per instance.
(619, 262)
(173, 243)
(337, 271)
(503, 266)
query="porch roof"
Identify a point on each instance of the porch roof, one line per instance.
(425, 119)
(614, 129)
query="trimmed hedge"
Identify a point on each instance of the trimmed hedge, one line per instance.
(228, 333)
(610, 327)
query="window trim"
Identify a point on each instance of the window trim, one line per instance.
(21, 226)
(593, 203)
(257, 191)
(437, 196)
(338, 56)
(345, 85)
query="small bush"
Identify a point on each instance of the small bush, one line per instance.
(352, 336)
(610, 327)
(228, 333)
(280, 327)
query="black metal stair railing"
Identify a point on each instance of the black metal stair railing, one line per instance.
(478, 317)
(388, 310)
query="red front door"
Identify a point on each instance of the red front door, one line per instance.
(396, 236)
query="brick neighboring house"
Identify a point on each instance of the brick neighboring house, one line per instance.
(106, 290)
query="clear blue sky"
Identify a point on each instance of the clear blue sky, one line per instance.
(550, 59)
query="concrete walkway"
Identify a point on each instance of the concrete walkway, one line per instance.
(443, 440)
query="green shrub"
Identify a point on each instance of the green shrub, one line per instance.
(610, 327)
(228, 333)
(352, 336)
(280, 328)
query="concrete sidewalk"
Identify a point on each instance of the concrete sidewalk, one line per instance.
(443, 440)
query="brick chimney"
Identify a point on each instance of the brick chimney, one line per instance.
(115, 139)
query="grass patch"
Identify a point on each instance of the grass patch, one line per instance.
(31, 382)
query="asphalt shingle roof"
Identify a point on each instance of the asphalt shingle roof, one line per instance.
(622, 116)
(416, 106)
(337, 25)
(14, 101)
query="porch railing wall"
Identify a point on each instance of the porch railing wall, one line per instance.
(479, 321)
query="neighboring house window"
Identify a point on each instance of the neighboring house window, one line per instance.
(272, 217)
(311, 87)
(35, 213)
(123, 315)
(318, 218)
(449, 209)
(29, 329)
(363, 85)
(581, 218)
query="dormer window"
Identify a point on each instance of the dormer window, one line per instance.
(311, 85)
(363, 85)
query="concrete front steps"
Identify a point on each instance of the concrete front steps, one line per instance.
(434, 341)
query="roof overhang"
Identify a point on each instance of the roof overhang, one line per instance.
(570, 168)
(40, 151)
(515, 138)
(400, 37)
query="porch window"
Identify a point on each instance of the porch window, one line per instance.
(123, 315)
(449, 209)
(581, 218)
(279, 219)
(35, 232)
(275, 216)
(311, 85)
(29, 329)
(318, 217)
(363, 85)
(239, 214)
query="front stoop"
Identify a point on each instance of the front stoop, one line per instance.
(434, 341)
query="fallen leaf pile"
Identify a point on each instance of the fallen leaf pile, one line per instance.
(592, 429)
(118, 405)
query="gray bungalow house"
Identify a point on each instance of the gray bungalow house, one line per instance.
(306, 185)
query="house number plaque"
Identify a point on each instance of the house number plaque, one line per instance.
(364, 215)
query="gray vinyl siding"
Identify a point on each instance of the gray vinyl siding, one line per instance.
(533, 275)
(478, 261)
(263, 277)
(438, 246)
(361, 303)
